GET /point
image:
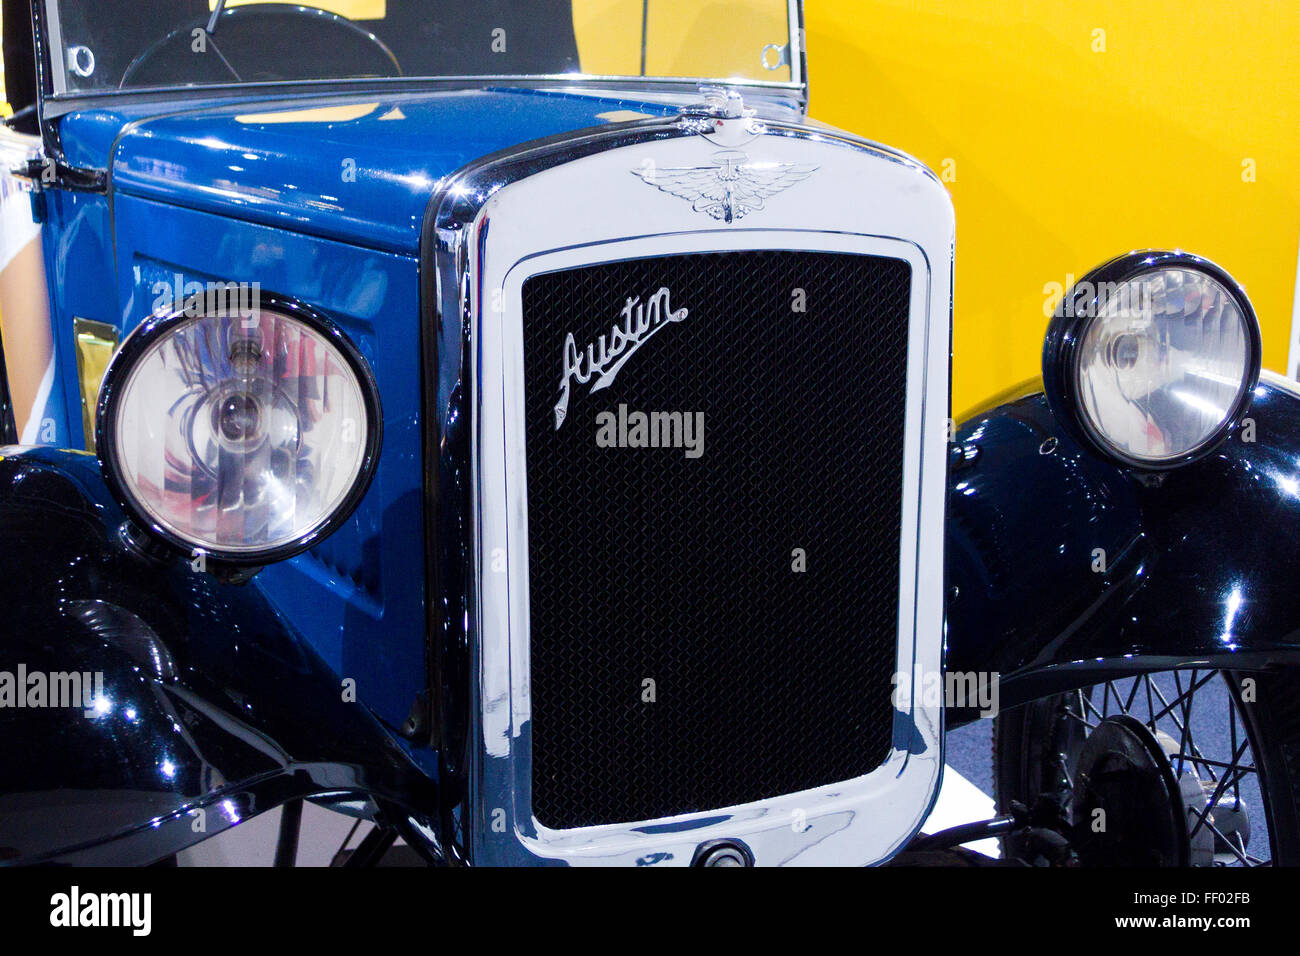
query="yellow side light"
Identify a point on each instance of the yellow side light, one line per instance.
(96, 342)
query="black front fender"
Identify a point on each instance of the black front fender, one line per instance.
(1065, 569)
(195, 704)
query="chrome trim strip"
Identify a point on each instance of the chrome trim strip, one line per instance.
(797, 51)
(54, 31)
(774, 103)
(472, 80)
(485, 232)
(666, 90)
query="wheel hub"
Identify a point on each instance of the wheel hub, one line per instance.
(1131, 808)
(1128, 806)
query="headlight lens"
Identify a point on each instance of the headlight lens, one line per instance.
(246, 437)
(1158, 362)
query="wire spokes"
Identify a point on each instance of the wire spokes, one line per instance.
(1193, 715)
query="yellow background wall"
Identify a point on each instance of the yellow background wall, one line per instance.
(683, 37)
(1070, 146)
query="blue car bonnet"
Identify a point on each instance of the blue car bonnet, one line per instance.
(359, 169)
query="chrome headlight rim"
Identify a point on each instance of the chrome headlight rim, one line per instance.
(1080, 307)
(137, 345)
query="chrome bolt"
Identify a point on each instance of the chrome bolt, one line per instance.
(723, 854)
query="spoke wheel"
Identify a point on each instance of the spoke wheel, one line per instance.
(1218, 750)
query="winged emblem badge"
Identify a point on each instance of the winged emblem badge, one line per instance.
(731, 188)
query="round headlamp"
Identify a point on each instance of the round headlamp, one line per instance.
(248, 435)
(1152, 358)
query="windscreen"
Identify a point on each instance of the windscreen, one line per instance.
(108, 45)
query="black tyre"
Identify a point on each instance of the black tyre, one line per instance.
(1236, 733)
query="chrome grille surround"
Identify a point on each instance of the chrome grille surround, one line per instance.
(574, 201)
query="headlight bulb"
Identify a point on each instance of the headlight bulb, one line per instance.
(243, 436)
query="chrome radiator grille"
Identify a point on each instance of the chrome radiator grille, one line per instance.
(679, 661)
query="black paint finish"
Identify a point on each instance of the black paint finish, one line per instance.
(1201, 563)
(209, 700)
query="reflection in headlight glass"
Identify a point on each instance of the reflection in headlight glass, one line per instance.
(1162, 365)
(240, 434)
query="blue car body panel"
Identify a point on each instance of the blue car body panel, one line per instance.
(359, 594)
(360, 171)
(321, 201)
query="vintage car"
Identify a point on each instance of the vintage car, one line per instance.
(341, 466)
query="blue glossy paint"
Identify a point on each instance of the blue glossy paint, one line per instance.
(356, 170)
(321, 200)
(78, 266)
(357, 598)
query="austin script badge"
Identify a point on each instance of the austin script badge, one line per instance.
(603, 358)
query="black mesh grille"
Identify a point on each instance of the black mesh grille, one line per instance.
(649, 565)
